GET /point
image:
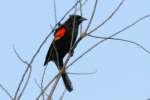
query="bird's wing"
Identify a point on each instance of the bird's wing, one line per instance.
(59, 33)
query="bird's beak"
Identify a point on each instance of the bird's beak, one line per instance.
(83, 19)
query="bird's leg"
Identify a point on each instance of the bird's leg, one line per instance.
(72, 52)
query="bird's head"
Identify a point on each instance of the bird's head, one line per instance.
(77, 18)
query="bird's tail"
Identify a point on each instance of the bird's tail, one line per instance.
(65, 78)
(67, 82)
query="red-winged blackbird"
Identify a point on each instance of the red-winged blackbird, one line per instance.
(64, 38)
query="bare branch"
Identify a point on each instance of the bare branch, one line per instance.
(73, 30)
(91, 19)
(69, 11)
(81, 4)
(89, 73)
(25, 62)
(53, 88)
(63, 94)
(42, 80)
(81, 13)
(26, 83)
(51, 26)
(111, 15)
(135, 43)
(40, 88)
(18, 56)
(21, 81)
(47, 86)
(29, 67)
(55, 11)
(6, 91)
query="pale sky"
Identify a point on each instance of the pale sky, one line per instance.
(123, 69)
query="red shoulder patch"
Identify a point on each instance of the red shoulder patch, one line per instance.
(59, 33)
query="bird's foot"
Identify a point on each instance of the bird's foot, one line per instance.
(72, 53)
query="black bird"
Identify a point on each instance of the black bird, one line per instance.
(64, 38)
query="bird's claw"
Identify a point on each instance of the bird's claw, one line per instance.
(72, 53)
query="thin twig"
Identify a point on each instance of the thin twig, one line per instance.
(25, 62)
(85, 1)
(38, 97)
(40, 88)
(63, 94)
(55, 11)
(109, 17)
(89, 73)
(29, 67)
(51, 26)
(69, 11)
(21, 81)
(92, 16)
(73, 30)
(124, 40)
(81, 13)
(26, 83)
(82, 4)
(18, 56)
(42, 80)
(53, 88)
(6, 91)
